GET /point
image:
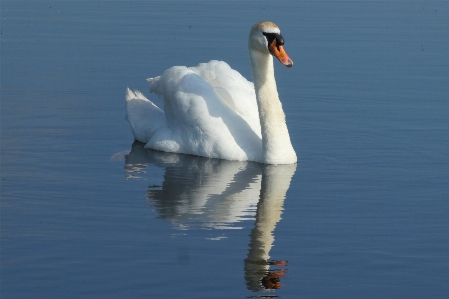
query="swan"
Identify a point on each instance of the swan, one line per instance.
(211, 110)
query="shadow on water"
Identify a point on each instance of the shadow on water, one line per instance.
(219, 194)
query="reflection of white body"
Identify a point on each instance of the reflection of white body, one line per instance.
(211, 192)
(212, 111)
(218, 201)
(199, 191)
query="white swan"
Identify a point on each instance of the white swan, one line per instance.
(212, 111)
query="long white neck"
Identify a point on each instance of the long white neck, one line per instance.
(276, 144)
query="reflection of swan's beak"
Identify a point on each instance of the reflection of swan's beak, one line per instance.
(279, 52)
(272, 281)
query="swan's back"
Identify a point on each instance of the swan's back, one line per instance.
(233, 88)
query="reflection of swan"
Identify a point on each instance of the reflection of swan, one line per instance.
(215, 193)
(212, 111)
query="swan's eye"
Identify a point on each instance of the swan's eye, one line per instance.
(274, 36)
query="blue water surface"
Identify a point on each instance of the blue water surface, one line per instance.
(86, 212)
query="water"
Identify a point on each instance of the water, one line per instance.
(87, 213)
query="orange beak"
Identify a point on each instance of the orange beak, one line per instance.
(279, 53)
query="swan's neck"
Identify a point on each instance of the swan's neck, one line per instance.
(276, 144)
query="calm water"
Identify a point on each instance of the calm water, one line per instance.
(85, 213)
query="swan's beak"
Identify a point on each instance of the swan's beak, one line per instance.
(279, 52)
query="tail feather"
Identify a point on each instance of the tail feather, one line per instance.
(143, 115)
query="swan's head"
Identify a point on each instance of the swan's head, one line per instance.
(266, 37)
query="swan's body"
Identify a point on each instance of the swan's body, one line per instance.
(212, 111)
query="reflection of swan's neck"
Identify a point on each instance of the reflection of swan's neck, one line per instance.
(276, 145)
(275, 184)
